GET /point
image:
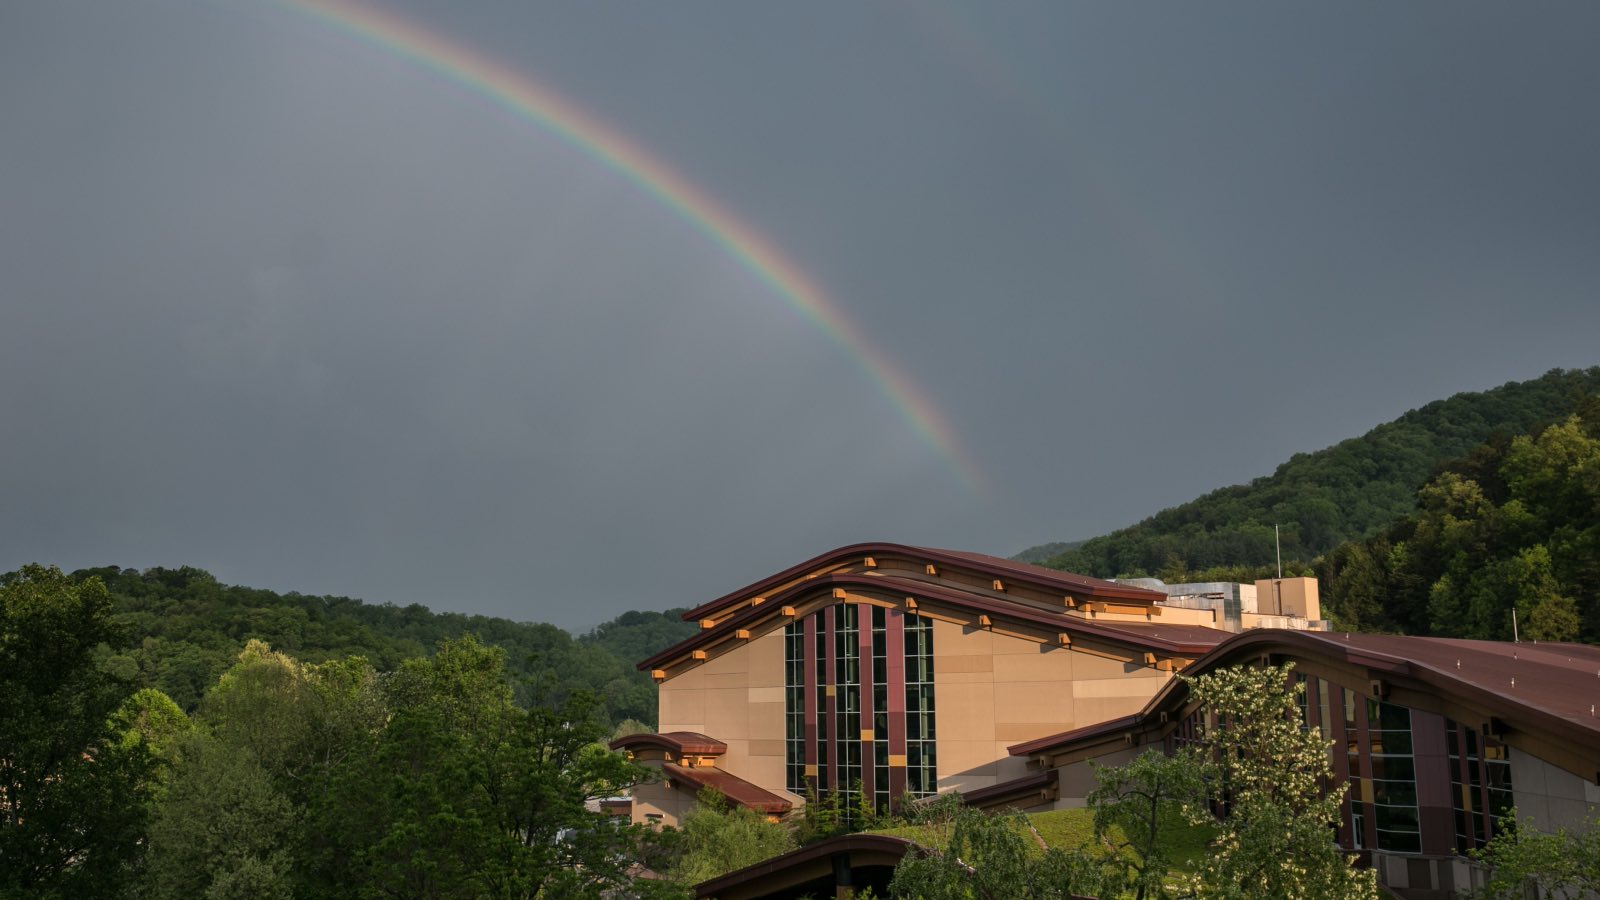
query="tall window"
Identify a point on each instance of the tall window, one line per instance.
(847, 689)
(1480, 784)
(1358, 806)
(1394, 778)
(828, 681)
(880, 709)
(794, 706)
(922, 771)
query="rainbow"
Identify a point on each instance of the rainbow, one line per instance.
(516, 92)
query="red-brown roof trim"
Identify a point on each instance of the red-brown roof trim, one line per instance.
(881, 846)
(1035, 575)
(679, 743)
(997, 794)
(736, 789)
(1558, 681)
(1101, 729)
(1182, 640)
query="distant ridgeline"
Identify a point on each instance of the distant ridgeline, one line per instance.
(183, 629)
(1346, 492)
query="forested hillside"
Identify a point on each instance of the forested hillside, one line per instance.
(182, 628)
(1346, 492)
(1514, 524)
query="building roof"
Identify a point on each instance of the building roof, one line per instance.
(678, 743)
(1544, 694)
(1037, 575)
(1028, 790)
(1178, 640)
(807, 862)
(736, 789)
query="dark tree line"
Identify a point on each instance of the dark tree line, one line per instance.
(181, 628)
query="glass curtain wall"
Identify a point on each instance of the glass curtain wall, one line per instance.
(922, 771)
(832, 690)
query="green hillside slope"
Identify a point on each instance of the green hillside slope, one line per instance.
(182, 628)
(1345, 492)
(1515, 525)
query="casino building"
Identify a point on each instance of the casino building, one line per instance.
(887, 670)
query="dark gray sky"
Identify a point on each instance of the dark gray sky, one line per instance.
(290, 307)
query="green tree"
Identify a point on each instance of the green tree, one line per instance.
(151, 718)
(1268, 775)
(1561, 864)
(73, 792)
(222, 830)
(990, 856)
(1135, 802)
(465, 794)
(718, 838)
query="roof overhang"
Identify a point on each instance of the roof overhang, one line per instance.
(676, 743)
(1380, 667)
(1037, 576)
(808, 595)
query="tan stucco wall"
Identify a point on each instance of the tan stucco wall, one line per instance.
(655, 798)
(737, 698)
(993, 690)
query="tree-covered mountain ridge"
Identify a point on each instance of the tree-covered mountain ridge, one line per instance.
(180, 628)
(1349, 491)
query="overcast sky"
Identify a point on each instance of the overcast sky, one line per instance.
(291, 307)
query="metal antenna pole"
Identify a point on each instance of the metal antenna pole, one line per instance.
(1277, 541)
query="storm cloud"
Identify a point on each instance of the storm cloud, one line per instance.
(287, 305)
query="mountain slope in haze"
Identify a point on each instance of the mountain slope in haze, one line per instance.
(1345, 492)
(183, 628)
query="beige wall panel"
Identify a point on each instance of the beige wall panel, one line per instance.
(1007, 645)
(963, 709)
(1032, 701)
(737, 759)
(966, 782)
(960, 663)
(767, 748)
(658, 799)
(1033, 666)
(766, 771)
(961, 677)
(766, 694)
(1093, 710)
(1016, 732)
(950, 639)
(1551, 796)
(766, 660)
(712, 681)
(682, 710)
(1088, 665)
(766, 721)
(966, 757)
(1097, 688)
(727, 714)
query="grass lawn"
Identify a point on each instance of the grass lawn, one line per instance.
(1071, 829)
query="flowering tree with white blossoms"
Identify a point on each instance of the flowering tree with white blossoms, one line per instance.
(1271, 786)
